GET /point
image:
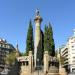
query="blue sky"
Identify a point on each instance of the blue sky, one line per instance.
(15, 16)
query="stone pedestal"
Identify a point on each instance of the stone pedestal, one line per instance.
(30, 61)
(46, 60)
(53, 70)
(26, 63)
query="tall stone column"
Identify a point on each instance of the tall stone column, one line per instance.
(37, 43)
(30, 61)
(46, 61)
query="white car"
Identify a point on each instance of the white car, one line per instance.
(5, 72)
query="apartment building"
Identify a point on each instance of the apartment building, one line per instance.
(5, 48)
(68, 52)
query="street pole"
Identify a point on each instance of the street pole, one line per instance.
(38, 65)
(38, 71)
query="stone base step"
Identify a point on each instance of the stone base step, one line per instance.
(53, 69)
(53, 74)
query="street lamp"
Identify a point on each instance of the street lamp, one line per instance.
(38, 65)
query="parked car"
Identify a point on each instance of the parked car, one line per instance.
(5, 72)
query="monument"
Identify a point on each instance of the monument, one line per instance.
(37, 41)
(29, 64)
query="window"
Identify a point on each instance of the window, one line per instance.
(8, 46)
(73, 61)
(73, 57)
(73, 70)
(3, 45)
(72, 46)
(0, 45)
(27, 63)
(73, 49)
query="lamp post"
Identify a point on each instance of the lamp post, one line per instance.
(38, 66)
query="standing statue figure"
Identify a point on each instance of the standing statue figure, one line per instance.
(37, 12)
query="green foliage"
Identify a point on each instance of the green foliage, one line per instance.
(48, 40)
(29, 41)
(42, 48)
(45, 38)
(51, 43)
(10, 58)
(22, 54)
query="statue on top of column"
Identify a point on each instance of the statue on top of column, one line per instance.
(37, 12)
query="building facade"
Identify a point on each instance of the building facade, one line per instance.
(68, 52)
(5, 48)
(64, 53)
